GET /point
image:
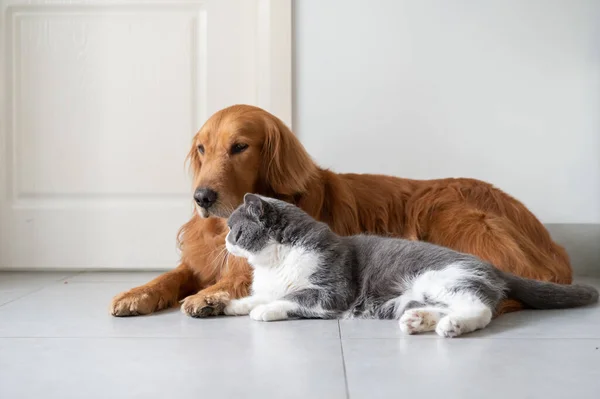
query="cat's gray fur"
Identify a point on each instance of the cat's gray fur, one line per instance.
(426, 286)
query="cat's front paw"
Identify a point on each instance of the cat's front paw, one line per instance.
(268, 312)
(450, 327)
(238, 308)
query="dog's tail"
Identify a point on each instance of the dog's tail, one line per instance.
(545, 295)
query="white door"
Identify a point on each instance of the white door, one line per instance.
(100, 100)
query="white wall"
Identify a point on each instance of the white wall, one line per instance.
(507, 91)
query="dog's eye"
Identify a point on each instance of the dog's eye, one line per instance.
(238, 147)
(201, 149)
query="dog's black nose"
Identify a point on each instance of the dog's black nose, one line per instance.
(205, 197)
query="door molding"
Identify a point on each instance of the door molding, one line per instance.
(275, 58)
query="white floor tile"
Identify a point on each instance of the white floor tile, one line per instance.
(81, 310)
(170, 368)
(465, 368)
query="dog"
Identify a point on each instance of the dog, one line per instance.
(244, 149)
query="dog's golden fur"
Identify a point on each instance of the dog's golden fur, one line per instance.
(464, 214)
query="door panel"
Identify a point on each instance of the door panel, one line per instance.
(101, 99)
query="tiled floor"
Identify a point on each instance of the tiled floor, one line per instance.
(58, 341)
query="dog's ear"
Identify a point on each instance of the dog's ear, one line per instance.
(193, 159)
(287, 166)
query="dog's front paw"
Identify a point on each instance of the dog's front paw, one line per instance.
(140, 301)
(268, 312)
(201, 305)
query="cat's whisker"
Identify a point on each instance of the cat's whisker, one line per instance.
(218, 260)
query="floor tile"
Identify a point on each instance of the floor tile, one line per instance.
(567, 323)
(10, 281)
(81, 310)
(472, 368)
(562, 323)
(166, 368)
(375, 329)
(137, 278)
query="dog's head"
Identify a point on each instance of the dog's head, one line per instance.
(244, 149)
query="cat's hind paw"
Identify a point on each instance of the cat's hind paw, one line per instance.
(415, 321)
(450, 327)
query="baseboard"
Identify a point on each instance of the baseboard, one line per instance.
(582, 242)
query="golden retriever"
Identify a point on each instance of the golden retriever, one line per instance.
(244, 149)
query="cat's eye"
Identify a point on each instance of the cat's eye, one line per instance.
(238, 148)
(201, 149)
(238, 235)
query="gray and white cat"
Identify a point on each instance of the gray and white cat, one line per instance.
(304, 270)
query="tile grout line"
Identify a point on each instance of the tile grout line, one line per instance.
(60, 280)
(74, 274)
(136, 337)
(23, 296)
(189, 337)
(467, 338)
(343, 361)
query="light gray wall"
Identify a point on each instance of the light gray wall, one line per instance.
(507, 91)
(582, 242)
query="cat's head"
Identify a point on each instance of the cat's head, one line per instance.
(260, 224)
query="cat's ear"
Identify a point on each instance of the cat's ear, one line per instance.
(255, 205)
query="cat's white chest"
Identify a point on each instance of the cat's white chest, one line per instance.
(280, 270)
